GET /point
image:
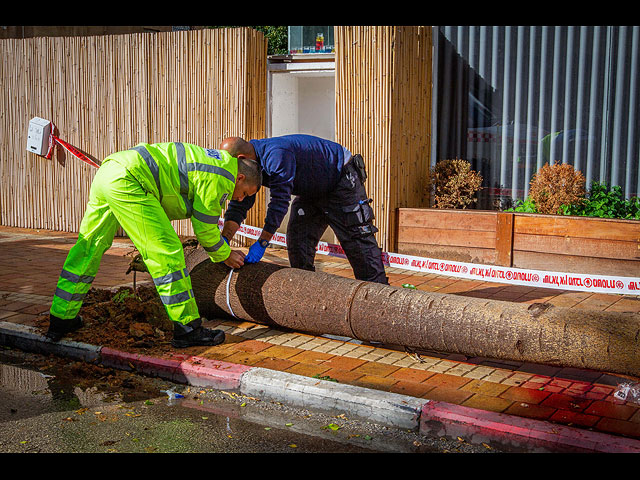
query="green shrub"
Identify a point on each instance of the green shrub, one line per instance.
(600, 202)
(526, 206)
(605, 202)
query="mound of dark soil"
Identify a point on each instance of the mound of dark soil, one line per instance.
(124, 320)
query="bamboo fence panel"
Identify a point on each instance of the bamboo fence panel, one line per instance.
(383, 111)
(108, 93)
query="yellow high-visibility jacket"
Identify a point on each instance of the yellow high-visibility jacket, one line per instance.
(190, 182)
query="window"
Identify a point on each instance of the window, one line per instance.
(311, 39)
(512, 98)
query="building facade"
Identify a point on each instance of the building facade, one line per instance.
(511, 98)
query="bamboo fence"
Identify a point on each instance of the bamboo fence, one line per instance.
(383, 111)
(108, 93)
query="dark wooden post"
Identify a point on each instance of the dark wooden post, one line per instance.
(504, 239)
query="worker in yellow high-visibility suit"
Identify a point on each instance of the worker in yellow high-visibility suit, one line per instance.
(142, 190)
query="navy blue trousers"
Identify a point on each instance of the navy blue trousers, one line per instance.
(348, 212)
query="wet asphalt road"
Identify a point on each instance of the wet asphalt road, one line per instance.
(52, 405)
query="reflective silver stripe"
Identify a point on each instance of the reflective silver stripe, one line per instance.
(215, 247)
(204, 167)
(72, 277)
(177, 298)
(69, 297)
(171, 277)
(204, 218)
(184, 177)
(151, 163)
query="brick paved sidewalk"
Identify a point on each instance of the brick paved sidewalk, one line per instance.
(567, 396)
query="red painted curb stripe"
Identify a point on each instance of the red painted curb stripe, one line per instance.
(446, 419)
(180, 368)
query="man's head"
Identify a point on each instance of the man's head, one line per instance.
(238, 147)
(249, 173)
(249, 179)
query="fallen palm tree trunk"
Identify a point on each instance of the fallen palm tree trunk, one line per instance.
(320, 303)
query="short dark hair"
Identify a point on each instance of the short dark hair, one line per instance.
(251, 170)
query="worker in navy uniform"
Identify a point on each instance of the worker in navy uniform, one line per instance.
(328, 184)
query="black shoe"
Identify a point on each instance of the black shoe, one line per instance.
(58, 327)
(194, 334)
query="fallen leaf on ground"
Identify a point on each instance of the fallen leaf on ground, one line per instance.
(332, 426)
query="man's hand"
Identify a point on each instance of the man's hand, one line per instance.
(256, 252)
(235, 260)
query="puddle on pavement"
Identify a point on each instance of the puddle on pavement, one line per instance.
(27, 389)
(30, 390)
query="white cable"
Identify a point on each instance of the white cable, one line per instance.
(228, 303)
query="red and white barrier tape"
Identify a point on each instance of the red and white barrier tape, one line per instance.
(490, 273)
(70, 148)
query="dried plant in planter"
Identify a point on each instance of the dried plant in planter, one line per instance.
(455, 184)
(556, 185)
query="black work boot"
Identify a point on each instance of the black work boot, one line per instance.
(58, 327)
(194, 334)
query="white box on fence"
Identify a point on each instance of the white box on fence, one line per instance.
(38, 136)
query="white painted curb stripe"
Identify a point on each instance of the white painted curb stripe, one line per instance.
(376, 406)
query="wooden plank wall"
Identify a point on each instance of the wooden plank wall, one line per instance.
(108, 93)
(576, 244)
(468, 236)
(530, 241)
(383, 111)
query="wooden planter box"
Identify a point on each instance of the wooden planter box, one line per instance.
(522, 240)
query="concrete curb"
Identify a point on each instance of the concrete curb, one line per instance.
(28, 339)
(385, 408)
(390, 409)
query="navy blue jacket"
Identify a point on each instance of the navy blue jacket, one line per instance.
(301, 165)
